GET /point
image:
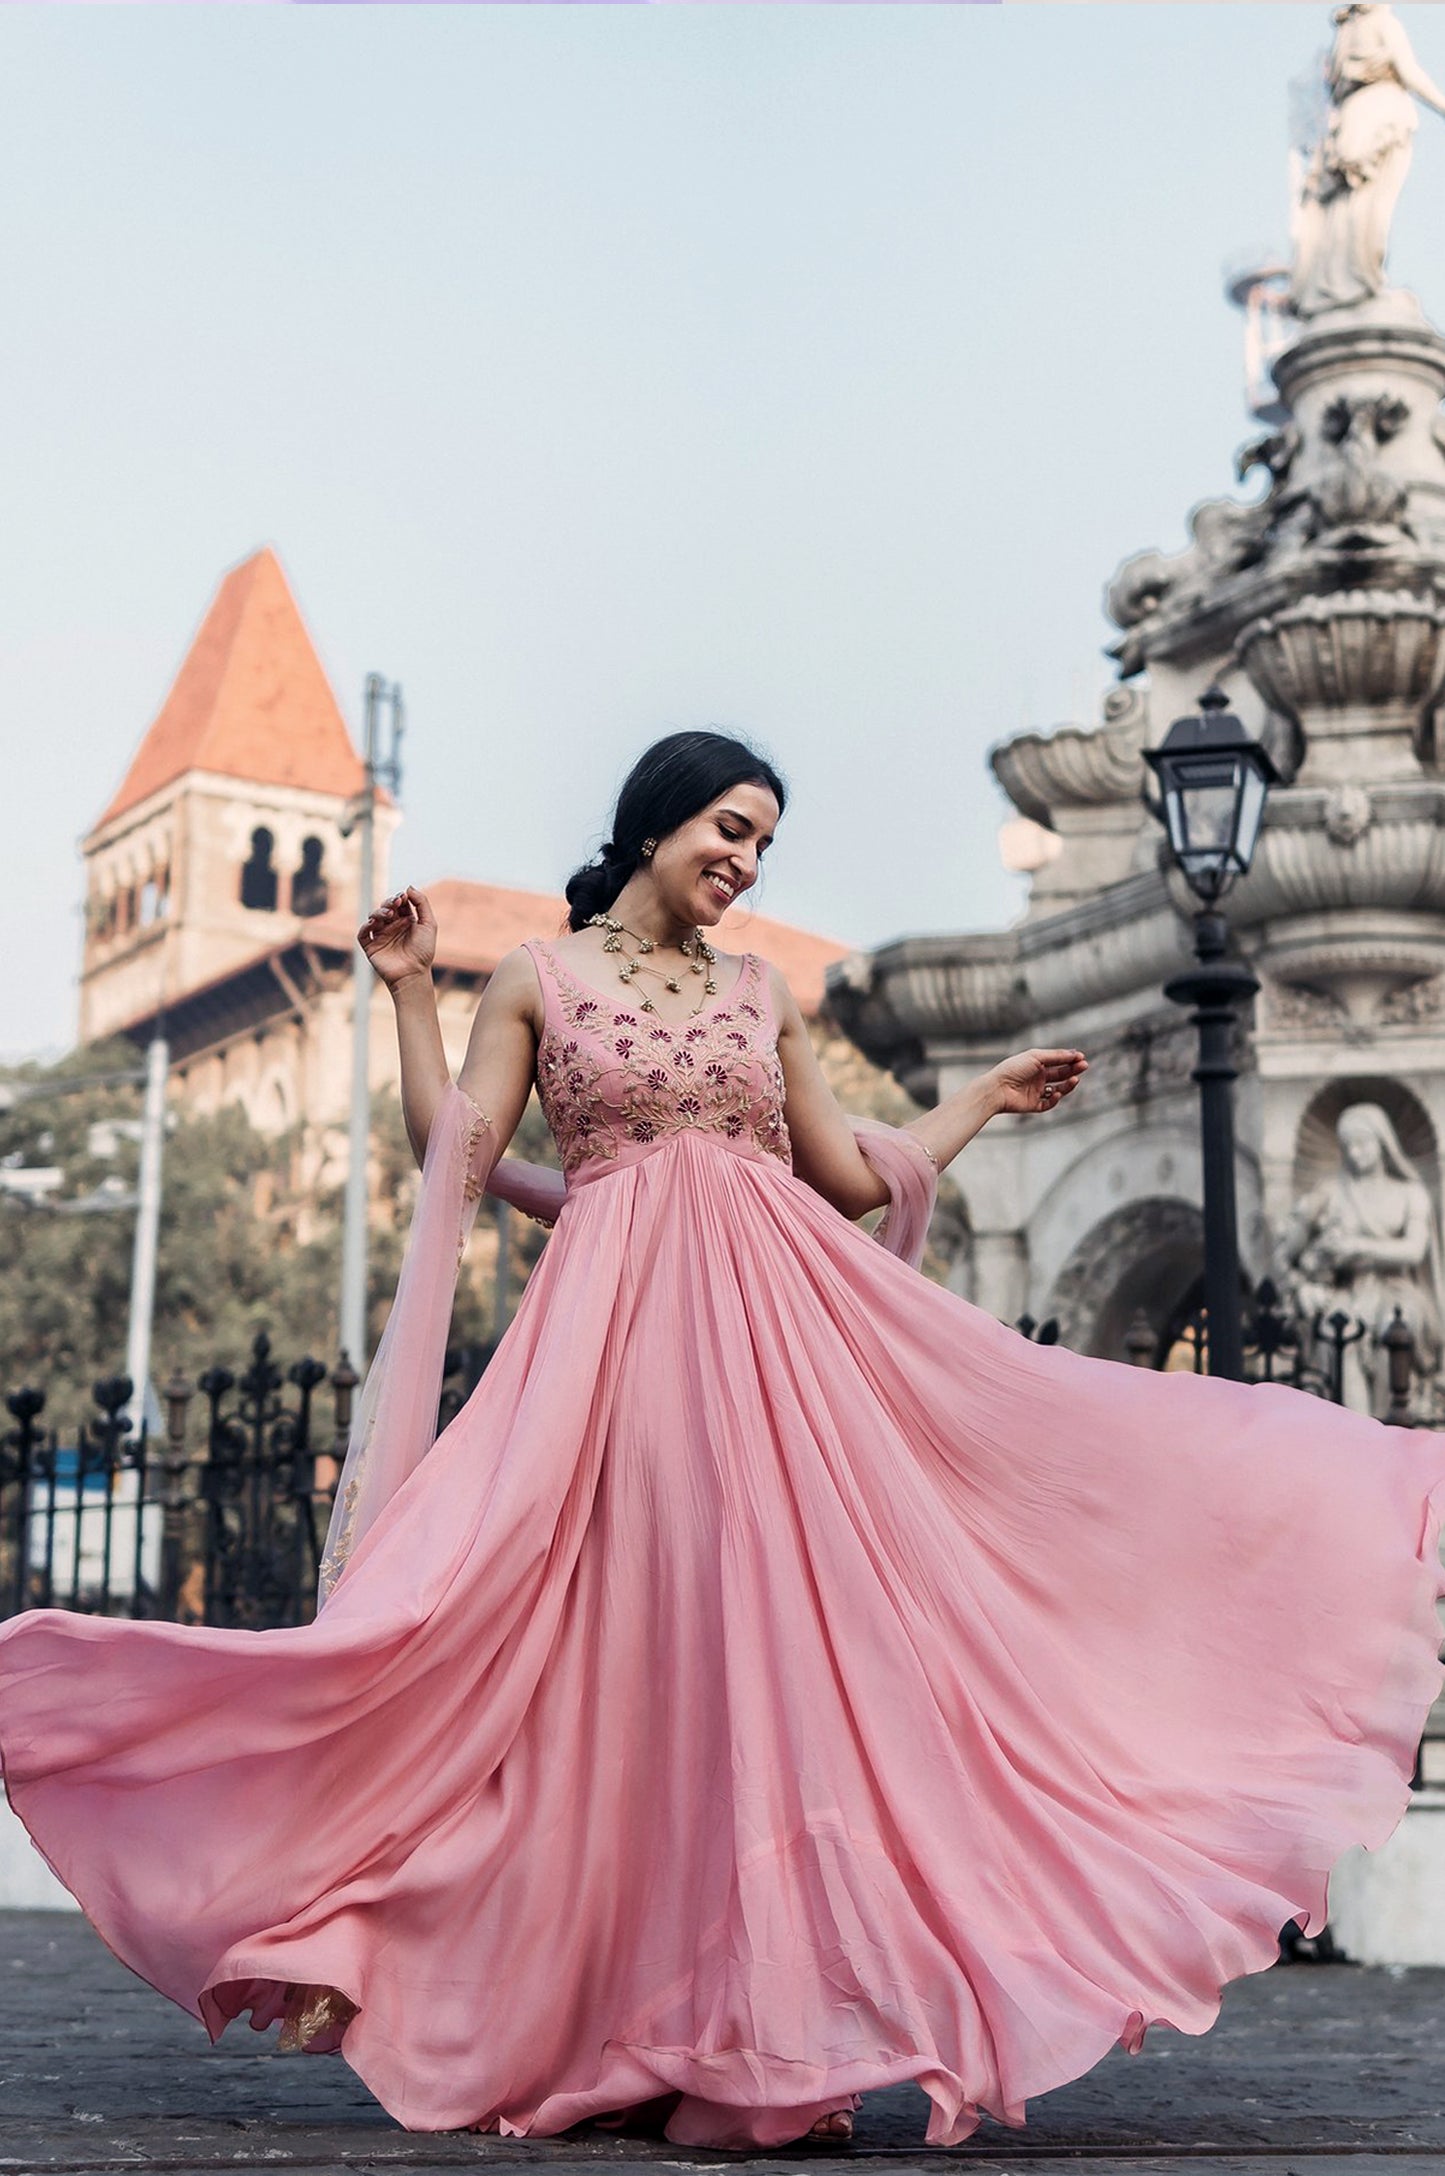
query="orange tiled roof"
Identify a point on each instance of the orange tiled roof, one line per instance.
(250, 701)
(481, 922)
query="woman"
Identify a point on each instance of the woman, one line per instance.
(781, 1679)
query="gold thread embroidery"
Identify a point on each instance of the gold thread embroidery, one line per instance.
(334, 1561)
(622, 1076)
(311, 2011)
(478, 1124)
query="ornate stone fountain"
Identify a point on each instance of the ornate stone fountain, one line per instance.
(1320, 606)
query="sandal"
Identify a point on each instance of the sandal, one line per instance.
(833, 2129)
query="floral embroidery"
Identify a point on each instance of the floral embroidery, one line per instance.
(605, 1089)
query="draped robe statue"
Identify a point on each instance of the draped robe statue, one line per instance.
(1366, 1242)
(1357, 169)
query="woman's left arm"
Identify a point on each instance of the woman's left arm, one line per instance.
(825, 1152)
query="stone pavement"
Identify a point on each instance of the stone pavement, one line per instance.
(1326, 2070)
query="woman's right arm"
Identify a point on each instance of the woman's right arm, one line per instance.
(400, 942)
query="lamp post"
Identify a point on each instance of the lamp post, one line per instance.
(1213, 780)
(380, 769)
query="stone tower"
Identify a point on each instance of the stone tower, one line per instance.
(225, 842)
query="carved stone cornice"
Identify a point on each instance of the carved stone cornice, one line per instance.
(1376, 867)
(1390, 854)
(1355, 672)
(913, 1004)
(1198, 626)
(1072, 767)
(1356, 496)
(1351, 973)
(1353, 341)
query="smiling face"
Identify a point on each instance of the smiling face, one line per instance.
(712, 859)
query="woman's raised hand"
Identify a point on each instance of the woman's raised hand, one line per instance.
(1037, 1080)
(400, 938)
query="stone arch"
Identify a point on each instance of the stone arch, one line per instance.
(105, 907)
(1143, 1257)
(310, 891)
(258, 875)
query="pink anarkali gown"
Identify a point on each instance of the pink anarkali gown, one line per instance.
(780, 1680)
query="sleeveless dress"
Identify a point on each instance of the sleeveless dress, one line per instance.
(780, 1680)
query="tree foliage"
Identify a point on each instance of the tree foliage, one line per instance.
(248, 1240)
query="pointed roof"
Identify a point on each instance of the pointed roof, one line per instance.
(250, 701)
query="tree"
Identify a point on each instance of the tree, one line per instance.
(244, 1246)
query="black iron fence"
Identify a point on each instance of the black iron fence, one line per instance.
(217, 1519)
(220, 1516)
(1308, 1355)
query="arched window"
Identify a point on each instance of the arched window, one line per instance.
(258, 875)
(308, 884)
(150, 902)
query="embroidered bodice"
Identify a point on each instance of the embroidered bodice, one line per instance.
(616, 1081)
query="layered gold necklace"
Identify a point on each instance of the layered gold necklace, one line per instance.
(695, 949)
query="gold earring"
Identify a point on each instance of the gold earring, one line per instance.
(649, 848)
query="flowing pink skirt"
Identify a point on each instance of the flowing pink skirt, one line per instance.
(781, 1680)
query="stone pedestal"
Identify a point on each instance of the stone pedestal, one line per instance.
(1388, 1906)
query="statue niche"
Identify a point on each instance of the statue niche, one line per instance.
(1363, 1242)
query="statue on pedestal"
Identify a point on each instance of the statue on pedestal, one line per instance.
(1366, 1242)
(1357, 168)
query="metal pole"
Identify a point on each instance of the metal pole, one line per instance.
(147, 1228)
(1214, 988)
(353, 1237)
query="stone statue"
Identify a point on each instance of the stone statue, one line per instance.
(1366, 1242)
(1357, 168)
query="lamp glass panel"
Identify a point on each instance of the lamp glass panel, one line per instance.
(1210, 794)
(1174, 815)
(1251, 809)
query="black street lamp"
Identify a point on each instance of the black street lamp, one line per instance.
(1213, 780)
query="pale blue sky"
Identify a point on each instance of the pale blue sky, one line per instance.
(803, 370)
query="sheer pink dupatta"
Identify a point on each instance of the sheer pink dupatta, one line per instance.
(395, 1420)
(911, 1176)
